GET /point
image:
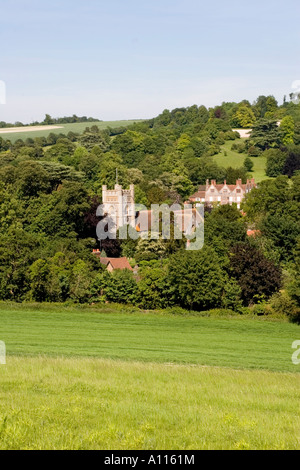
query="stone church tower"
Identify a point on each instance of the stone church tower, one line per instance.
(119, 204)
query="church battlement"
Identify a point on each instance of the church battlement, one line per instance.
(118, 203)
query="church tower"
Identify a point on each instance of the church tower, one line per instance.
(119, 204)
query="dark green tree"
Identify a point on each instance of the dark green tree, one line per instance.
(265, 134)
(257, 276)
(276, 159)
(196, 279)
(248, 164)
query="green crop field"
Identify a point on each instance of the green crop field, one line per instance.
(236, 160)
(78, 127)
(232, 342)
(103, 378)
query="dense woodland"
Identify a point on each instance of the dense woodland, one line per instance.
(50, 189)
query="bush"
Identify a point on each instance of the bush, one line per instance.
(215, 312)
(231, 135)
(239, 147)
(232, 296)
(221, 312)
(282, 304)
(178, 311)
(259, 309)
(253, 151)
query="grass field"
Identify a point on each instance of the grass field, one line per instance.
(48, 403)
(231, 342)
(97, 378)
(236, 160)
(65, 129)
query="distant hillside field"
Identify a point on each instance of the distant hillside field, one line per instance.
(236, 160)
(233, 158)
(25, 132)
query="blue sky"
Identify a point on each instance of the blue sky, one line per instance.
(133, 58)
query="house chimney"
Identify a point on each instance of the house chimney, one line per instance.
(238, 182)
(253, 181)
(224, 182)
(207, 184)
(213, 182)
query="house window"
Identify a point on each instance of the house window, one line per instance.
(212, 190)
(238, 190)
(197, 198)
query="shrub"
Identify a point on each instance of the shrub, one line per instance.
(259, 309)
(282, 304)
(231, 135)
(232, 296)
(239, 147)
(253, 151)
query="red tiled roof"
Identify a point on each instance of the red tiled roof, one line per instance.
(200, 194)
(117, 263)
(253, 233)
(219, 186)
(231, 187)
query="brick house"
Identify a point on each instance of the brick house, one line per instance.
(222, 193)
